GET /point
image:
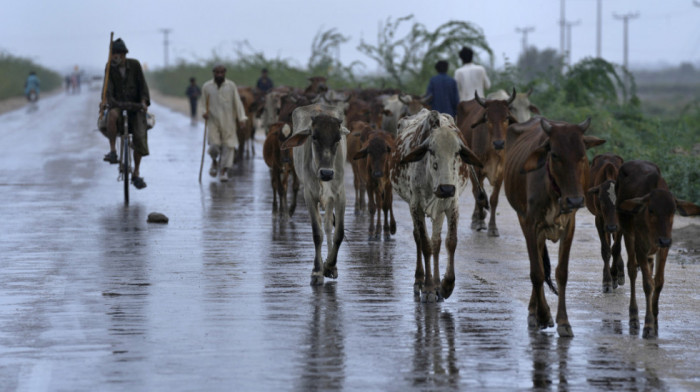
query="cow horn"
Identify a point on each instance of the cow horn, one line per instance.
(512, 97)
(546, 126)
(529, 92)
(427, 98)
(585, 124)
(478, 99)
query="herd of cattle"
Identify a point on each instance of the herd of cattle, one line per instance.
(395, 143)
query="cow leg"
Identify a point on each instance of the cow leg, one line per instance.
(389, 228)
(372, 208)
(562, 273)
(315, 215)
(338, 216)
(274, 178)
(608, 283)
(377, 195)
(648, 286)
(356, 184)
(661, 256)
(448, 281)
(423, 276)
(632, 272)
(295, 191)
(284, 181)
(389, 200)
(479, 213)
(435, 243)
(493, 229)
(539, 315)
(618, 263)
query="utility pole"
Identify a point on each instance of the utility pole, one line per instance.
(165, 45)
(626, 18)
(562, 26)
(599, 29)
(569, 25)
(524, 30)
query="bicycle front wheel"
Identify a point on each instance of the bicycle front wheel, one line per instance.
(126, 167)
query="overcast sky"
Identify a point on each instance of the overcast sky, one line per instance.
(63, 33)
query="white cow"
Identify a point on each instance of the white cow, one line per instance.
(398, 106)
(521, 108)
(319, 159)
(430, 170)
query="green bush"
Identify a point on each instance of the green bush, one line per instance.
(14, 71)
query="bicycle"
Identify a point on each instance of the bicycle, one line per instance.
(124, 156)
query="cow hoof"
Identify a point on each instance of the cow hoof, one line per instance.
(565, 331)
(493, 233)
(387, 236)
(532, 321)
(649, 333)
(446, 289)
(607, 287)
(621, 280)
(316, 280)
(330, 272)
(417, 288)
(428, 297)
(634, 326)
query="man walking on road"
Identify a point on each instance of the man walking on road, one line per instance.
(224, 112)
(443, 90)
(127, 85)
(470, 77)
(193, 93)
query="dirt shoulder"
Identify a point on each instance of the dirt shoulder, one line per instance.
(14, 103)
(178, 104)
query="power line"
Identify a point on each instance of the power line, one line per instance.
(625, 19)
(165, 45)
(525, 31)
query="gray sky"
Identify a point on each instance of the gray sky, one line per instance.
(63, 33)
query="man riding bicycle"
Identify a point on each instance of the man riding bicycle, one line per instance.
(31, 87)
(127, 89)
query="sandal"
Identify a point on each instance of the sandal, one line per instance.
(138, 182)
(111, 157)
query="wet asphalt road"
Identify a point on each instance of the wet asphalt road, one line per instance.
(92, 297)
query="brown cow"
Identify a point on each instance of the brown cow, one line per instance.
(246, 134)
(281, 166)
(358, 110)
(546, 173)
(600, 201)
(374, 157)
(317, 86)
(484, 124)
(359, 132)
(646, 207)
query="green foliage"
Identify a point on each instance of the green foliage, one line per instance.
(14, 71)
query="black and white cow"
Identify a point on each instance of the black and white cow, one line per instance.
(429, 170)
(319, 159)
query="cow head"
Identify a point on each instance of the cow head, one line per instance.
(376, 150)
(444, 151)
(606, 200)
(326, 134)
(521, 107)
(563, 154)
(497, 117)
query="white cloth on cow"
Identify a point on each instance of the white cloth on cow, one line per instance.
(225, 109)
(301, 116)
(471, 77)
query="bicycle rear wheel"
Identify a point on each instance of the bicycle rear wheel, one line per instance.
(126, 167)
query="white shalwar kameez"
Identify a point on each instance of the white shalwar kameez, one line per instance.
(225, 109)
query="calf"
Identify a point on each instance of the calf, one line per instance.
(483, 125)
(646, 208)
(600, 201)
(374, 157)
(546, 172)
(521, 107)
(319, 159)
(281, 167)
(246, 134)
(359, 131)
(429, 171)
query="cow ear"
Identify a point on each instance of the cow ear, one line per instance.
(296, 140)
(592, 141)
(360, 154)
(417, 154)
(344, 131)
(593, 190)
(534, 109)
(537, 159)
(686, 208)
(386, 112)
(469, 157)
(482, 120)
(633, 206)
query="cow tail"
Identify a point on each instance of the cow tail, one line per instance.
(548, 270)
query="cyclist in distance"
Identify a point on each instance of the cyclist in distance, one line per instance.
(31, 87)
(127, 88)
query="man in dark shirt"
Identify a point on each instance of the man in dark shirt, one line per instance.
(264, 82)
(127, 85)
(193, 93)
(443, 90)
